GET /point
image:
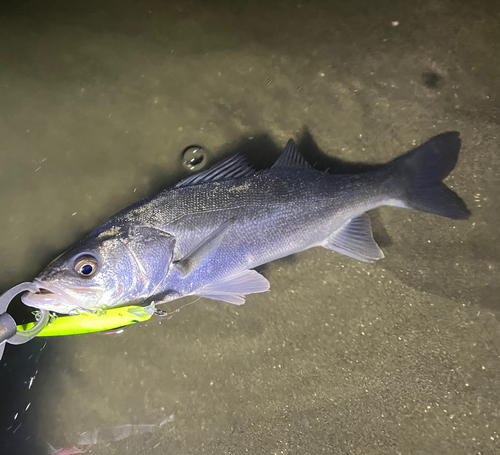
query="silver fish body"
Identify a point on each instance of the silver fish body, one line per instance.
(206, 235)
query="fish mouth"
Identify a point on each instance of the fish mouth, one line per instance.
(52, 298)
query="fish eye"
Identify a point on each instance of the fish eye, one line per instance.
(86, 265)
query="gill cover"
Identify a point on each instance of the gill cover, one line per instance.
(152, 250)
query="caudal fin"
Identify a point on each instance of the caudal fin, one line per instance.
(420, 173)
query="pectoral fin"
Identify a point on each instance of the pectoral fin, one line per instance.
(234, 288)
(189, 262)
(355, 239)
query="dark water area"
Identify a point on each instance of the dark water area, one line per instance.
(98, 102)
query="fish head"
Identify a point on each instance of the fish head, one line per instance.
(113, 267)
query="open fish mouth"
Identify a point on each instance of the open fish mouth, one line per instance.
(52, 298)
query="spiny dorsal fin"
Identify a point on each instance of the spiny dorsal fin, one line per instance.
(233, 167)
(355, 239)
(291, 158)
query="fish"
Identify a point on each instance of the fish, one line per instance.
(206, 235)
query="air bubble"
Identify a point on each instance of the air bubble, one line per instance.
(193, 158)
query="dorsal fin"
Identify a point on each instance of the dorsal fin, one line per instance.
(291, 158)
(233, 167)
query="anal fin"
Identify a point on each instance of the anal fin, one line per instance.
(234, 288)
(355, 239)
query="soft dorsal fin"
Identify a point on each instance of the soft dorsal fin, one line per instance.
(355, 239)
(233, 289)
(291, 158)
(189, 262)
(233, 167)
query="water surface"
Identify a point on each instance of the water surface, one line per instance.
(98, 101)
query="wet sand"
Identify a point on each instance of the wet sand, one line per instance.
(97, 102)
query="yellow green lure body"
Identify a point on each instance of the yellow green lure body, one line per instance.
(107, 319)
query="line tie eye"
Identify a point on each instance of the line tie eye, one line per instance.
(86, 266)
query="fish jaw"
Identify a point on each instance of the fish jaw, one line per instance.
(52, 298)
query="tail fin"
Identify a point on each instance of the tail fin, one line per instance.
(420, 173)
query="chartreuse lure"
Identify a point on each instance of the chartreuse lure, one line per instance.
(90, 322)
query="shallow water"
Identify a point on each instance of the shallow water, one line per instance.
(99, 100)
